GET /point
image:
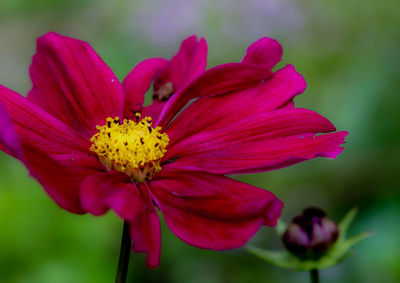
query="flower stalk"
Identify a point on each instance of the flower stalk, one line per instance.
(314, 276)
(124, 255)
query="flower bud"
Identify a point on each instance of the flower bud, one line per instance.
(310, 234)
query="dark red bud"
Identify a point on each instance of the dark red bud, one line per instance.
(311, 234)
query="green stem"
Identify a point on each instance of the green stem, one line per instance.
(314, 276)
(124, 254)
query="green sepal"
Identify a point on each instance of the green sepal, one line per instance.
(336, 254)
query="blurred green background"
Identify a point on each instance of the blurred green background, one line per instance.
(348, 51)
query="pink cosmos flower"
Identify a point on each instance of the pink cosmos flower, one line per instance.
(93, 146)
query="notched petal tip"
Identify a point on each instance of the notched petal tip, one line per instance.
(192, 42)
(188, 41)
(334, 141)
(293, 76)
(53, 39)
(48, 36)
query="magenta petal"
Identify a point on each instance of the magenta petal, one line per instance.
(265, 52)
(210, 211)
(113, 190)
(258, 129)
(71, 82)
(146, 235)
(216, 81)
(98, 191)
(264, 142)
(36, 128)
(59, 181)
(138, 82)
(145, 230)
(9, 141)
(153, 110)
(49, 149)
(265, 155)
(187, 64)
(219, 112)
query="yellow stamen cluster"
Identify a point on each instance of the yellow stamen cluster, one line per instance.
(132, 147)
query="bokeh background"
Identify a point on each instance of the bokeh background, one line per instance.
(348, 51)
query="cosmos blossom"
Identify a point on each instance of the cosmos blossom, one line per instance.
(92, 145)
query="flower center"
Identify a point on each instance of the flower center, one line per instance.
(132, 147)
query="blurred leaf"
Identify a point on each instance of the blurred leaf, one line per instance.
(278, 258)
(280, 227)
(345, 223)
